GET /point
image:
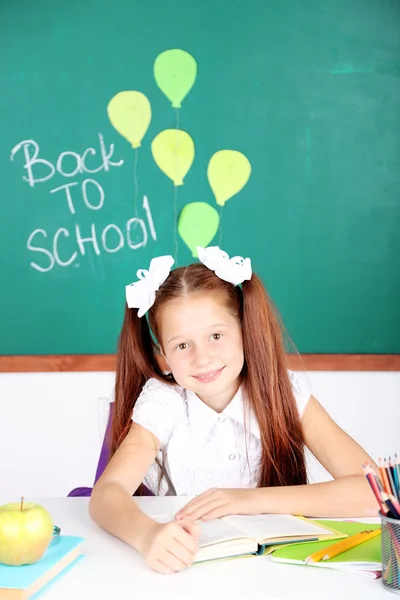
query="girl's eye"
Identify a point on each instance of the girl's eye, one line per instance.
(182, 346)
(216, 336)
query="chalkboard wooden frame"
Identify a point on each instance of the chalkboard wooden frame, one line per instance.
(106, 362)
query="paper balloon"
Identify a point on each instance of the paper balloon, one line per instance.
(198, 224)
(130, 114)
(175, 73)
(228, 172)
(173, 152)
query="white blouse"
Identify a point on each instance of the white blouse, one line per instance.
(201, 448)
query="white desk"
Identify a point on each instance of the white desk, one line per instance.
(112, 570)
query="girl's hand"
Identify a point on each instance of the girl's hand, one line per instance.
(217, 503)
(170, 547)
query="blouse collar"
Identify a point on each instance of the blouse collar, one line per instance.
(202, 418)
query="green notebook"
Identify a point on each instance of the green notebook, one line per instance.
(365, 559)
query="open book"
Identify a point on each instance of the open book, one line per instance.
(240, 535)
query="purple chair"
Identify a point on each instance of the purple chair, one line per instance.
(101, 465)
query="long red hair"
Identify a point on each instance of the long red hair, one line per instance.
(265, 377)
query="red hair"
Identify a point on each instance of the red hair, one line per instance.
(265, 376)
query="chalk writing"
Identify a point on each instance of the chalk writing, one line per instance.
(65, 246)
(31, 151)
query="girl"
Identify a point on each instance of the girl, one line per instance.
(205, 406)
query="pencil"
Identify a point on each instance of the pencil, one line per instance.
(368, 469)
(390, 478)
(385, 481)
(395, 477)
(378, 481)
(347, 544)
(388, 570)
(395, 541)
(391, 465)
(374, 485)
(397, 463)
(395, 502)
(343, 546)
(387, 499)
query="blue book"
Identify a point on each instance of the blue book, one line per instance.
(21, 583)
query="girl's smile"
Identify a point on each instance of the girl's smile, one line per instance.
(210, 376)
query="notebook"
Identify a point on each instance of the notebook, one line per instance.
(21, 583)
(242, 535)
(365, 559)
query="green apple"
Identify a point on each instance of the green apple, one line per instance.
(26, 531)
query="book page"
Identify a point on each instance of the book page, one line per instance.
(212, 532)
(264, 527)
(216, 531)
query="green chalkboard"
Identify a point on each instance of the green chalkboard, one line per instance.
(308, 92)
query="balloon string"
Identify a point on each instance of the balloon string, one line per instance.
(176, 224)
(220, 227)
(175, 201)
(135, 182)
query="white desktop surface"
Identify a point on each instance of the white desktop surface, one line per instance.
(112, 570)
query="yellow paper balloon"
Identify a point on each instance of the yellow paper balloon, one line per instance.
(130, 114)
(198, 223)
(173, 152)
(228, 172)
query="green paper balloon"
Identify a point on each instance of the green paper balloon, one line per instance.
(198, 223)
(175, 72)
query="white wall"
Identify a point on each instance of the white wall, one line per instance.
(52, 424)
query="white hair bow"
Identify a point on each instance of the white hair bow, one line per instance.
(142, 294)
(234, 270)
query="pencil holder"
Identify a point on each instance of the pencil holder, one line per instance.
(390, 553)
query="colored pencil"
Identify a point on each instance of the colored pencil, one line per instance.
(397, 463)
(384, 477)
(374, 486)
(390, 478)
(387, 499)
(395, 503)
(368, 469)
(378, 481)
(395, 541)
(395, 477)
(388, 570)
